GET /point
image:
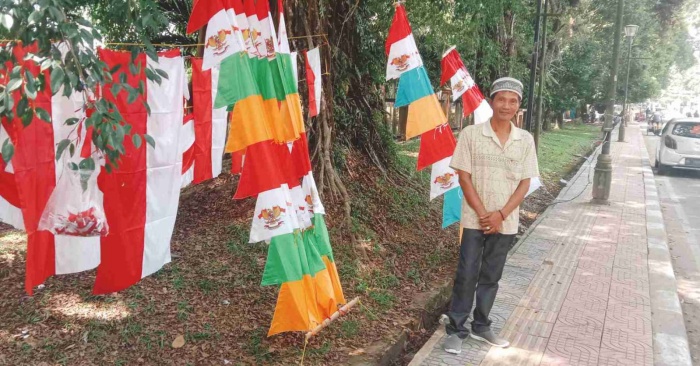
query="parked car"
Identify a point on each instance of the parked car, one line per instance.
(679, 146)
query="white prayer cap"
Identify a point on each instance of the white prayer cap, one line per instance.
(507, 84)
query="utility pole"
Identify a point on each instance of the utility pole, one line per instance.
(602, 178)
(630, 32)
(540, 91)
(533, 69)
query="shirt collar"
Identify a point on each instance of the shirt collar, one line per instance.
(515, 133)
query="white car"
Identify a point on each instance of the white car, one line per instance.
(679, 146)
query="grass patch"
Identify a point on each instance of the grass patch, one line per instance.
(558, 148)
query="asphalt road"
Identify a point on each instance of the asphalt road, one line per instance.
(679, 193)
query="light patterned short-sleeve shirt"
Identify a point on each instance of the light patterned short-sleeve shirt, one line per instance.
(496, 170)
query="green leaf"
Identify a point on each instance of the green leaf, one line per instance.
(43, 114)
(56, 14)
(87, 164)
(46, 64)
(122, 78)
(71, 121)
(28, 117)
(162, 73)
(150, 140)
(34, 17)
(57, 76)
(136, 139)
(116, 88)
(22, 106)
(6, 21)
(14, 84)
(72, 150)
(8, 150)
(73, 166)
(115, 69)
(61, 148)
(133, 95)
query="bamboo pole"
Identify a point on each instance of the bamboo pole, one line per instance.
(342, 311)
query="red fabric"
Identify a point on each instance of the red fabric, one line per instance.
(202, 104)
(202, 11)
(249, 6)
(471, 100)
(237, 162)
(310, 82)
(262, 170)
(280, 9)
(435, 145)
(400, 28)
(124, 189)
(35, 178)
(262, 8)
(188, 156)
(8, 186)
(450, 64)
(238, 7)
(300, 161)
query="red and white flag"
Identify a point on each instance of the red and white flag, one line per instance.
(401, 47)
(205, 137)
(282, 38)
(313, 80)
(442, 178)
(463, 85)
(141, 197)
(221, 40)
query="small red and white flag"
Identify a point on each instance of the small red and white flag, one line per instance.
(313, 80)
(463, 85)
(442, 178)
(401, 48)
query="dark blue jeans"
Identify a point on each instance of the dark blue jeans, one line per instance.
(481, 261)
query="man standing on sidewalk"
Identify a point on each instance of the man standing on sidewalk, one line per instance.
(495, 161)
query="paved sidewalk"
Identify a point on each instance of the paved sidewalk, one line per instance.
(577, 289)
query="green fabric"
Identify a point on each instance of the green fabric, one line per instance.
(264, 78)
(289, 258)
(323, 241)
(236, 81)
(286, 70)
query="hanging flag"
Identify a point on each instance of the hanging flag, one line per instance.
(187, 147)
(442, 178)
(313, 80)
(220, 40)
(452, 207)
(29, 179)
(209, 124)
(141, 196)
(436, 145)
(283, 40)
(401, 47)
(463, 85)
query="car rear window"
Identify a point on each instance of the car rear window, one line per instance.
(687, 129)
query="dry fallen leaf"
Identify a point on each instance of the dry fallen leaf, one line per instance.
(357, 352)
(179, 341)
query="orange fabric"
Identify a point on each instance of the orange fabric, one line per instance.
(296, 309)
(335, 281)
(248, 124)
(424, 115)
(290, 111)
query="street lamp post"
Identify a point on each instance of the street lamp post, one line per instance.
(630, 32)
(602, 178)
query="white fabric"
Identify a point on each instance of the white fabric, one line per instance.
(282, 40)
(257, 39)
(483, 113)
(273, 216)
(442, 178)
(461, 81)
(186, 141)
(72, 254)
(295, 67)
(269, 35)
(164, 163)
(242, 21)
(314, 57)
(311, 196)
(220, 41)
(300, 207)
(535, 184)
(218, 128)
(403, 48)
(9, 214)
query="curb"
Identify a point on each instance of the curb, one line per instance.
(669, 333)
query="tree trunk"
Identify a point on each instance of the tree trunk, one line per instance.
(547, 120)
(560, 120)
(403, 119)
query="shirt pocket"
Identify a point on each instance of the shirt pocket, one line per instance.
(514, 169)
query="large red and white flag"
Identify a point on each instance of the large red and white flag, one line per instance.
(221, 40)
(313, 80)
(141, 196)
(401, 47)
(463, 85)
